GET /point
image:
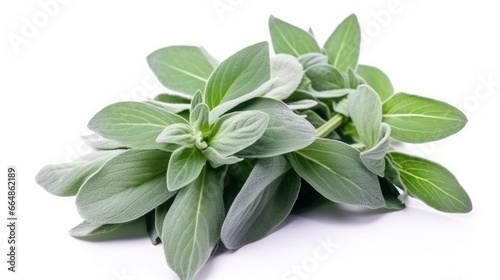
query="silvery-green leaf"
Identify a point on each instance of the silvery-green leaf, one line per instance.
(181, 68)
(238, 75)
(266, 199)
(235, 131)
(416, 119)
(125, 188)
(171, 107)
(365, 110)
(66, 179)
(160, 213)
(325, 77)
(353, 80)
(342, 47)
(173, 98)
(199, 118)
(87, 229)
(184, 167)
(286, 131)
(218, 111)
(333, 93)
(179, 134)
(302, 104)
(290, 39)
(191, 228)
(153, 234)
(374, 158)
(216, 159)
(334, 169)
(431, 183)
(98, 142)
(309, 60)
(342, 107)
(134, 124)
(197, 99)
(288, 73)
(376, 79)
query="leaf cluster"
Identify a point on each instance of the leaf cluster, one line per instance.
(235, 146)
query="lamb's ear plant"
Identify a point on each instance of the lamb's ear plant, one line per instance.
(231, 148)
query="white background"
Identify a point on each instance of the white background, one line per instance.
(91, 53)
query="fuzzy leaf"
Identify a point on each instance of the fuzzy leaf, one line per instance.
(179, 133)
(191, 228)
(376, 79)
(87, 229)
(343, 45)
(238, 75)
(184, 167)
(335, 170)
(181, 68)
(290, 39)
(431, 183)
(365, 109)
(266, 199)
(125, 187)
(134, 124)
(286, 131)
(288, 71)
(235, 131)
(374, 158)
(66, 179)
(416, 119)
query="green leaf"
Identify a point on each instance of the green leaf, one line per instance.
(134, 124)
(374, 158)
(431, 183)
(238, 75)
(66, 179)
(288, 71)
(199, 118)
(171, 102)
(191, 228)
(335, 170)
(216, 159)
(376, 79)
(325, 77)
(309, 60)
(353, 80)
(125, 187)
(290, 39)
(416, 119)
(286, 131)
(160, 214)
(179, 134)
(98, 142)
(343, 45)
(181, 68)
(263, 203)
(365, 110)
(218, 111)
(173, 98)
(197, 99)
(154, 237)
(184, 167)
(235, 131)
(87, 229)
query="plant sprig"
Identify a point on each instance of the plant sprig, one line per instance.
(224, 156)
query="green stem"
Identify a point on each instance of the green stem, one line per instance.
(329, 126)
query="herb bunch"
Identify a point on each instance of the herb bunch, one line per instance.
(234, 147)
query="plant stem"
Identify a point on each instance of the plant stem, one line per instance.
(329, 126)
